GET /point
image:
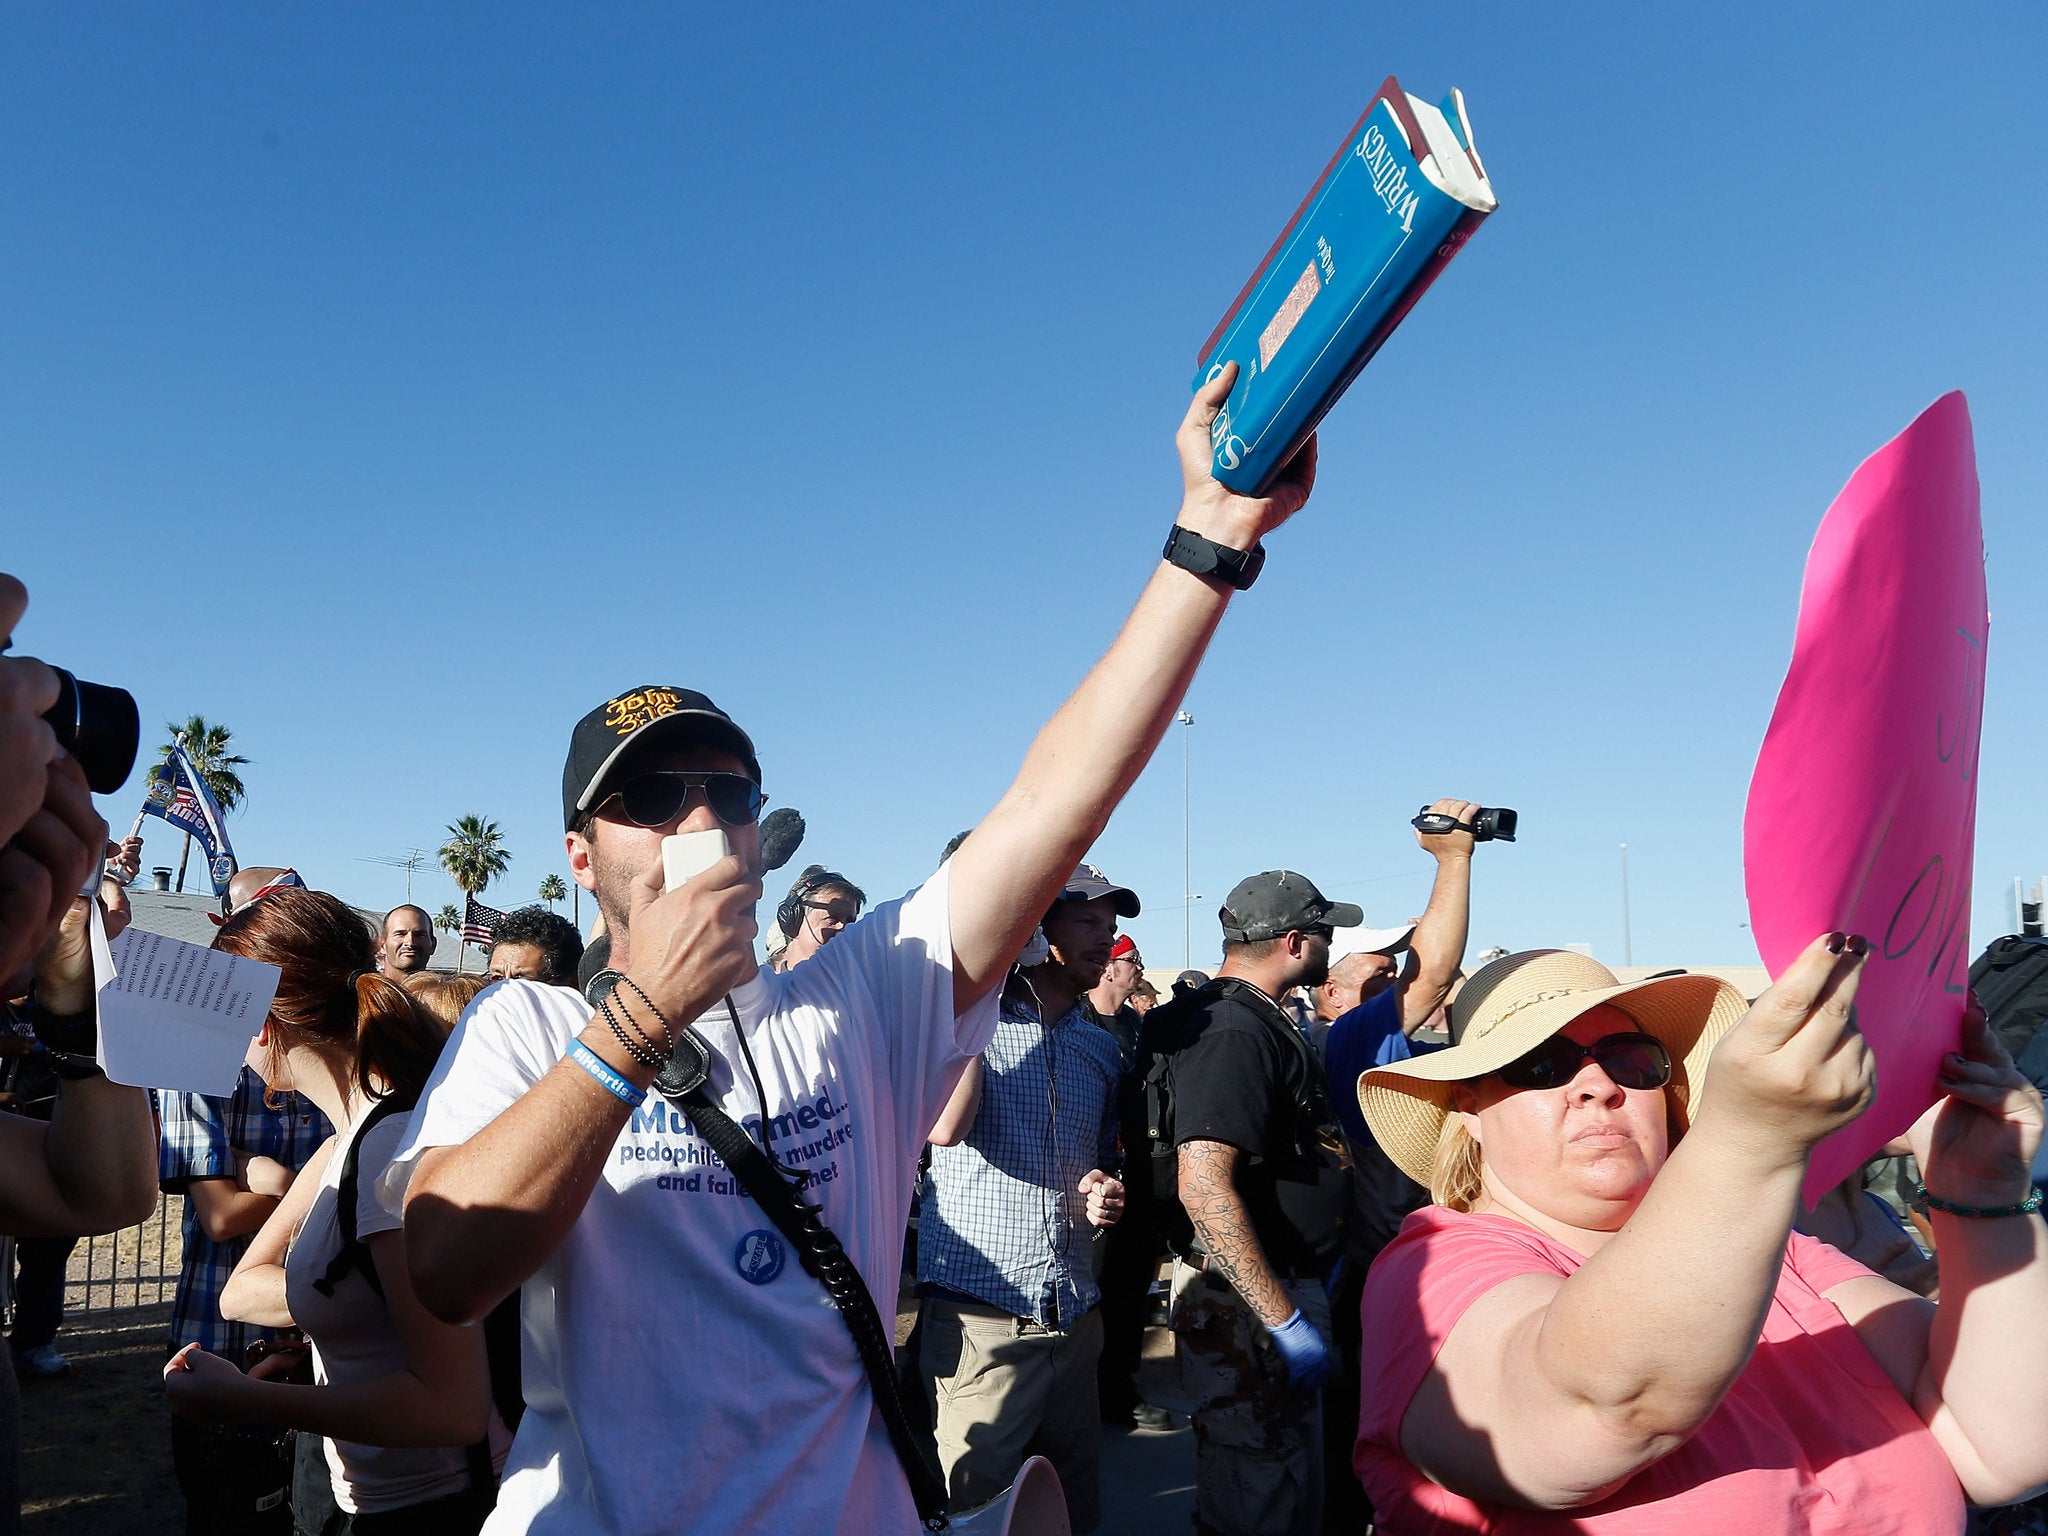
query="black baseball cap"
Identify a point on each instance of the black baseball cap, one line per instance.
(598, 745)
(1264, 906)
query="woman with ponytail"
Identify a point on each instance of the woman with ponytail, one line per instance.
(403, 1400)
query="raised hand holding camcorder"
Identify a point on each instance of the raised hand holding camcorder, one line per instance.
(1486, 823)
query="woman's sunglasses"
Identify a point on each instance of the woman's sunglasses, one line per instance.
(1632, 1061)
(655, 799)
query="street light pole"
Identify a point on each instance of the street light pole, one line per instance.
(1628, 954)
(1187, 899)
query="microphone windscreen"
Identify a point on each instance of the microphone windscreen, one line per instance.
(782, 833)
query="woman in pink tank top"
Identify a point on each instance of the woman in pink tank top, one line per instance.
(1605, 1322)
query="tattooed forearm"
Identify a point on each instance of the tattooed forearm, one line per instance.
(1208, 1188)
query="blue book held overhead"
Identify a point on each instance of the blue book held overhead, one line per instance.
(1403, 193)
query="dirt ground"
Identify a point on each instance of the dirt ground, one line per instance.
(96, 1443)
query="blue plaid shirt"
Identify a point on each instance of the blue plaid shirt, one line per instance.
(1000, 1219)
(201, 1135)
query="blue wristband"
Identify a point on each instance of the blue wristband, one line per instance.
(611, 1081)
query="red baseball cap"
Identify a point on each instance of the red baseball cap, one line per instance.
(1124, 945)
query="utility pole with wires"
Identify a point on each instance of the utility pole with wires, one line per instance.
(415, 859)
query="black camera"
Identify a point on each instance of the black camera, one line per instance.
(1491, 824)
(99, 726)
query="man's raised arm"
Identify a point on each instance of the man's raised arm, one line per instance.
(1438, 947)
(1092, 751)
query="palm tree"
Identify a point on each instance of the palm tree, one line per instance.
(208, 747)
(473, 856)
(552, 890)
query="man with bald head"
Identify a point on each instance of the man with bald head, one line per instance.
(407, 943)
(1366, 962)
(256, 880)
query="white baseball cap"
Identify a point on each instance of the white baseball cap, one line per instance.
(1370, 941)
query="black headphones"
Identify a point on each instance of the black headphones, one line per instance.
(789, 916)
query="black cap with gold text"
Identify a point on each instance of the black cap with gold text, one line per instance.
(598, 745)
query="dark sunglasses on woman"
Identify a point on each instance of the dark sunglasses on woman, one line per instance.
(656, 798)
(1631, 1061)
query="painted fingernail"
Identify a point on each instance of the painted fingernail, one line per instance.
(1858, 945)
(1835, 942)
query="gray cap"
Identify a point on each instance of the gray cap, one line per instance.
(1087, 883)
(1264, 906)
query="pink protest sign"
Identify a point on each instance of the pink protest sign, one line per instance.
(1863, 809)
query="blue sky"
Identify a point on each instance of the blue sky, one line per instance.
(397, 384)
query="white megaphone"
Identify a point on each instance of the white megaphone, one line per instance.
(1034, 1505)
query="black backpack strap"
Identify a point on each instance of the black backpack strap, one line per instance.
(355, 1253)
(820, 1253)
(501, 1354)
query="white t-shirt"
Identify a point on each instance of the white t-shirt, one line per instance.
(354, 1337)
(682, 1372)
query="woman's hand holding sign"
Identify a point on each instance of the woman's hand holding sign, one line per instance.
(1795, 1070)
(1980, 1142)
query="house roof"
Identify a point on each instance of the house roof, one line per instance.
(183, 915)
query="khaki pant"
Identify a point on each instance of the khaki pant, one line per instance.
(1005, 1388)
(1258, 1442)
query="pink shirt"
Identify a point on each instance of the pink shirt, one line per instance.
(1812, 1438)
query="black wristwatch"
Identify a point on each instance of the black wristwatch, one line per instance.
(71, 1041)
(1205, 557)
(71, 1044)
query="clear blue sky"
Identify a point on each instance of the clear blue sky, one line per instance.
(396, 383)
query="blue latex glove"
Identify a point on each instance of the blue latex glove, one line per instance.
(1307, 1356)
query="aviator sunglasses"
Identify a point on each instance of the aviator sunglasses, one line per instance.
(657, 798)
(1631, 1061)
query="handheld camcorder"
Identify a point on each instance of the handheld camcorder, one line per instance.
(99, 726)
(1491, 824)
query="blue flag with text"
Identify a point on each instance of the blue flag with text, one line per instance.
(179, 795)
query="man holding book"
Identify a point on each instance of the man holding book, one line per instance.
(682, 1374)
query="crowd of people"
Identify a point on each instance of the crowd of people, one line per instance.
(610, 1241)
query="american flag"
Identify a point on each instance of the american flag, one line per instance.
(479, 923)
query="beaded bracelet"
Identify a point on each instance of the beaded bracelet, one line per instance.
(641, 1050)
(658, 1052)
(2026, 1207)
(607, 1079)
(668, 1030)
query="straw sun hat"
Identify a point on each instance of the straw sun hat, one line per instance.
(1515, 1004)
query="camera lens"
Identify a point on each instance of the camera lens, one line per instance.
(99, 726)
